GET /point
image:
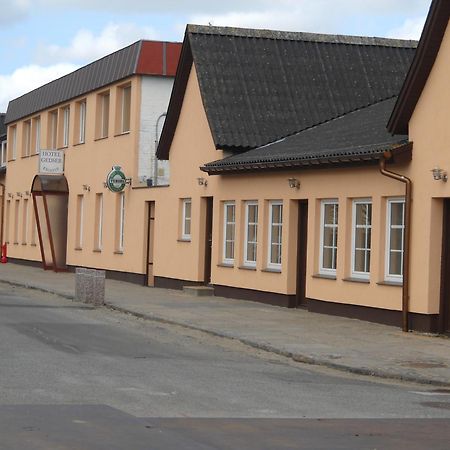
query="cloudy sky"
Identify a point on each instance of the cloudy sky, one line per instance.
(44, 39)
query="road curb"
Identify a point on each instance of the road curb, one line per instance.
(301, 358)
(386, 375)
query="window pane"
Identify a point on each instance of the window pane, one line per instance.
(396, 239)
(328, 234)
(187, 210)
(251, 233)
(276, 214)
(252, 213)
(397, 213)
(395, 263)
(360, 238)
(187, 227)
(327, 258)
(229, 250)
(251, 252)
(359, 261)
(362, 214)
(328, 214)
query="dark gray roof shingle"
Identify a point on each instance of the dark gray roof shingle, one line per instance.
(2, 124)
(259, 86)
(356, 136)
(100, 73)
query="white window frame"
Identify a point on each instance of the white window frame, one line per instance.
(354, 273)
(335, 225)
(26, 138)
(388, 276)
(186, 236)
(53, 141)
(122, 124)
(271, 264)
(82, 122)
(37, 134)
(121, 221)
(227, 221)
(81, 222)
(100, 223)
(4, 154)
(66, 122)
(247, 262)
(104, 114)
(14, 142)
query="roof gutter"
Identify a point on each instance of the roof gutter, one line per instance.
(406, 237)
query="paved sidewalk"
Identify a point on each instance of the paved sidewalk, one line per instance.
(346, 344)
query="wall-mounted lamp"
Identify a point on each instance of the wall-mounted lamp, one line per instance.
(86, 187)
(294, 183)
(202, 182)
(439, 174)
(19, 194)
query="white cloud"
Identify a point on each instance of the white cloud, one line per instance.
(313, 16)
(27, 78)
(86, 46)
(13, 10)
(410, 29)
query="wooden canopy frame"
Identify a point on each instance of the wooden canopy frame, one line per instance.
(43, 186)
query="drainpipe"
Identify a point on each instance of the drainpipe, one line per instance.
(155, 165)
(406, 237)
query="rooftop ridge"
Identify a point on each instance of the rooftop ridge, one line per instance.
(301, 36)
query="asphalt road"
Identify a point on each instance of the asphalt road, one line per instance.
(76, 378)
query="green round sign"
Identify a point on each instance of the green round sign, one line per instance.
(116, 180)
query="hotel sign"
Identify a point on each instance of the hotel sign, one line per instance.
(51, 162)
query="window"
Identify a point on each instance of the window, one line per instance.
(16, 222)
(81, 122)
(126, 109)
(186, 219)
(275, 234)
(33, 228)
(362, 230)
(26, 138)
(79, 229)
(328, 236)
(103, 115)
(98, 221)
(36, 130)
(251, 233)
(66, 121)
(229, 226)
(121, 219)
(394, 239)
(25, 221)
(4, 154)
(52, 130)
(13, 142)
(7, 220)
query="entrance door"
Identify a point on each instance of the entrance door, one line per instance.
(150, 242)
(444, 311)
(208, 239)
(302, 252)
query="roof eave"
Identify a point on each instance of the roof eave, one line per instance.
(176, 99)
(401, 153)
(421, 66)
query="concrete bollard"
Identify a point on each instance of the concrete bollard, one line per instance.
(80, 284)
(99, 287)
(89, 286)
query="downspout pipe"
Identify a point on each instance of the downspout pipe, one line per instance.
(406, 237)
